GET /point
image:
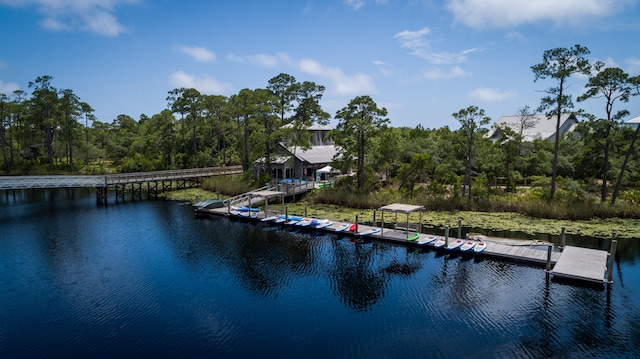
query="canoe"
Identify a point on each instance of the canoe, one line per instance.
(467, 246)
(269, 219)
(413, 237)
(439, 242)
(369, 231)
(455, 244)
(480, 246)
(427, 239)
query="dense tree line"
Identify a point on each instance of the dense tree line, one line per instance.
(51, 130)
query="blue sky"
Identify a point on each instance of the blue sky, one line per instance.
(420, 59)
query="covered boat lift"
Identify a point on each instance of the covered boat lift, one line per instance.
(402, 208)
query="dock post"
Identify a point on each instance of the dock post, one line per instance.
(217, 195)
(356, 231)
(305, 208)
(446, 236)
(563, 239)
(549, 259)
(612, 258)
(286, 214)
(374, 217)
(460, 228)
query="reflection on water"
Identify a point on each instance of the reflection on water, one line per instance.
(151, 279)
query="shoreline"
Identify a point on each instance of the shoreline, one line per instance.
(490, 221)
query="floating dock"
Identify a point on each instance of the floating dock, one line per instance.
(574, 263)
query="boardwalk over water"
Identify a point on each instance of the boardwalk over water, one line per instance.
(62, 181)
(575, 263)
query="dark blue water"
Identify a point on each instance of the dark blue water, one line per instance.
(149, 279)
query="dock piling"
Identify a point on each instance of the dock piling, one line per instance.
(446, 236)
(460, 228)
(612, 257)
(356, 230)
(563, 238)
(549, 259)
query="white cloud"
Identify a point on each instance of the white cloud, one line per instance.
(506, 13)
(417, 42)
(354, 4)
(413, 39)
(262, 60)
(342, 84)
(439, 74)
(199, 54)
(385, 68)
(87, 15)
(489, 94)
(205, 84)
(8, 87)
(633, 66)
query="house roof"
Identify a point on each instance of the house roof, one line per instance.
(315, 154)
(544, 128)
(634, 120)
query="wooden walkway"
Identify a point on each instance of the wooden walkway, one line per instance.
(582, 263)
(576, 263)
(27, 182)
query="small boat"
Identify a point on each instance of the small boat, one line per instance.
(369, 231)
(246, 209)
(211, 203)
(439, 242)
(305, 222)
(413, 237)
(467, 246)
(455, 244)
(480, 247)
(427, 239)
(269, 219)
(321, 223)
(343, 227)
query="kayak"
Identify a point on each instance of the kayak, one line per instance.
(455, 244)
(369, 231)
(413, 237)
(480, 247)
(427, 239)
(467, 246)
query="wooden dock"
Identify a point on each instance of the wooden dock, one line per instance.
(575, 263)
(582, 263)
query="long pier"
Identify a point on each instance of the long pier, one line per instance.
(574, 263)
(156, 181)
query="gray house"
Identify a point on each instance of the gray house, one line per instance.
(541, 127)
(298, 163)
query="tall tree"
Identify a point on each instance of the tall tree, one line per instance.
(219, 122)
(360, 120)
(5, 117)
(471, 119)
(243, 110)
(559, 64)
(44, 100)
(306, 114)
(613, 85)
(70, 108)
(285, 88)
(268, 127)
(635, 83)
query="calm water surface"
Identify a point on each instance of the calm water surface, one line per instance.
(149, 279)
